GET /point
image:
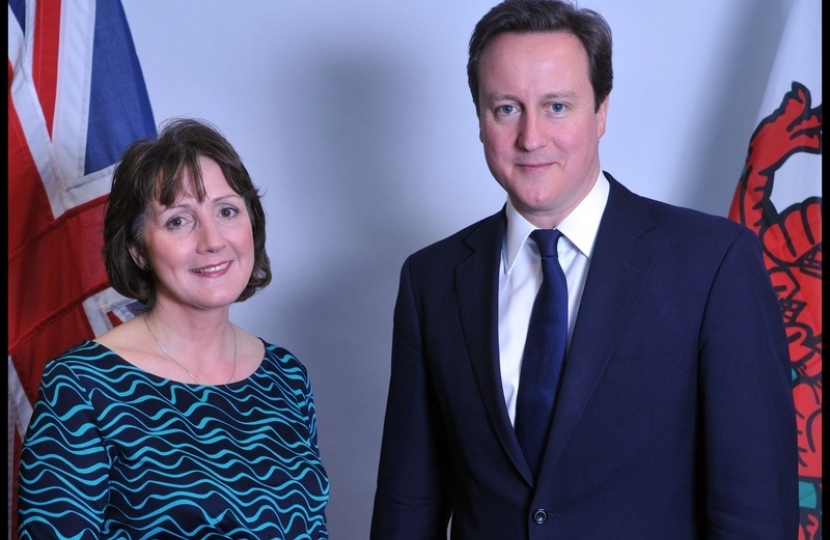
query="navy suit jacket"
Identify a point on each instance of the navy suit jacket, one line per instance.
(675, 417)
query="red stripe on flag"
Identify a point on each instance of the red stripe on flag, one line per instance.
(45, 62)
(63, 265)
(28, 204)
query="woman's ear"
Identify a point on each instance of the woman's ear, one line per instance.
(139, 259)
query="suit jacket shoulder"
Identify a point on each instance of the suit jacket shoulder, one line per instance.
(444, 255)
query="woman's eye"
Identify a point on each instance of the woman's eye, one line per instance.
(228, 212)
(175, 223)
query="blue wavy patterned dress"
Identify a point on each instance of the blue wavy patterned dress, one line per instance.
(115, 452)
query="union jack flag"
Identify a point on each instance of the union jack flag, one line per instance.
(76, 99)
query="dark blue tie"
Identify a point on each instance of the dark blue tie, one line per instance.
(544, 354)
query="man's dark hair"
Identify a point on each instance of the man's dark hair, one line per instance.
(527, 16)
(154, 170)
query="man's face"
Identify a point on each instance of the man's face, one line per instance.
(538, 124)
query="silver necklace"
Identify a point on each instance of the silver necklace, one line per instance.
(167, 354)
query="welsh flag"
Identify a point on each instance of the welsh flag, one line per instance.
(779, 197)
(76, 99)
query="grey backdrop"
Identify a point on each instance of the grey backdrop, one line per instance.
(355, 118)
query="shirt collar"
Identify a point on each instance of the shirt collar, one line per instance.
(579, 227)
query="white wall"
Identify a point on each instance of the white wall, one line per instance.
(355, 117)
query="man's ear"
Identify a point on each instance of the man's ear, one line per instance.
(602, 116)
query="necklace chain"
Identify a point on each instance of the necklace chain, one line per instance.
(167, 354)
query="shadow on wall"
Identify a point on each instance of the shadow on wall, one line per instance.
(716, 164)
(350, 155)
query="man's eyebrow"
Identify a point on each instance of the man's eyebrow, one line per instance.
(565, 94)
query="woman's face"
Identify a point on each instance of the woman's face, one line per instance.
(202, 253)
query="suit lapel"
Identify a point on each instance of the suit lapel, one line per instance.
(477, 286)
(619, 269)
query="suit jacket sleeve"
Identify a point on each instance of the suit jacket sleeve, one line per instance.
(748, 414)
(410, 501)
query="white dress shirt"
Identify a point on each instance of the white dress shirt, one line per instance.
(520, 277)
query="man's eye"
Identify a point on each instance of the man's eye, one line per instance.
(557, 107)
(503, 110)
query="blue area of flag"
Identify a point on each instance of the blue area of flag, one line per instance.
(119, 107)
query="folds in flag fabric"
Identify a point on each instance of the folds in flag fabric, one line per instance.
(779, 197)
(76, 99)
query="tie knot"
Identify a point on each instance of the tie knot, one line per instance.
(546, 239)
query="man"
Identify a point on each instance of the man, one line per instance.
(673, 415)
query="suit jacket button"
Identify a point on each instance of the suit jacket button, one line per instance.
(540, 516)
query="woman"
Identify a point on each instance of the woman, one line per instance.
(177, 423)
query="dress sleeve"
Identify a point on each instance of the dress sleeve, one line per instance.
(64, 466)
(310, 414)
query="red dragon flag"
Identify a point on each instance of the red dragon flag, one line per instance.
(76, 99)
(779, 197)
